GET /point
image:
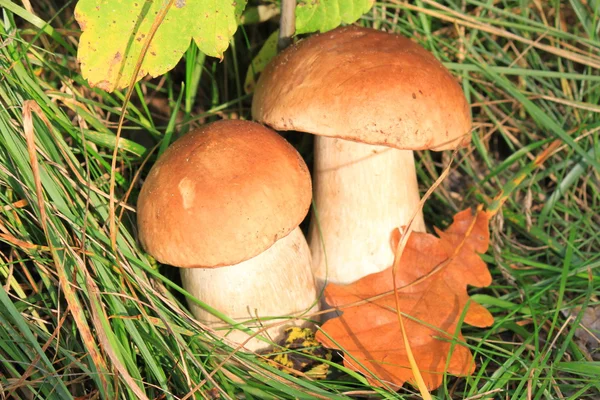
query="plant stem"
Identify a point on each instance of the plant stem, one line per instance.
(287, 24)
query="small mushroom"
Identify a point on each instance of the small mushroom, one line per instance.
(224, 203)
(372, 98)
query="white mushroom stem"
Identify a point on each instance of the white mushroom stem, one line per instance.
(361, 193)
(276, 283)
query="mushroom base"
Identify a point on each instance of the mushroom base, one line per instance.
(361, 193)
(272, 286)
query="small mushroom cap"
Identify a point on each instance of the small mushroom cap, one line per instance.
(367, 86)
(222, 194)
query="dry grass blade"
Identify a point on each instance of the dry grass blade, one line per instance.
(112, 200)
(422, 386)
(74, 306)
(98, 316)
(461, 20)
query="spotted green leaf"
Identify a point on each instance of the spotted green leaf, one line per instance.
(114, 33)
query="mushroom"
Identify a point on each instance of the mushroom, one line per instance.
(224, 203)
(372, 98)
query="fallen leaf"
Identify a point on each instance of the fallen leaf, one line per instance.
(305, 355)
(588, 335)
(431, 280)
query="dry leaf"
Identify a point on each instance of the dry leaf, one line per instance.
(588, 335)
(432, 280)
(306, 355)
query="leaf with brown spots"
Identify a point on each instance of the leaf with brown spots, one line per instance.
(115, 32)
(431, 283)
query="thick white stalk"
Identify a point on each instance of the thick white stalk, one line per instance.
(361, 193)
(276, 283)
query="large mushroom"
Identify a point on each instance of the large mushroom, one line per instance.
(224, 203)
(372, 98)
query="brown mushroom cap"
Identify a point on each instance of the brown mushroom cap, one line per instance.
(367, 86)
(222, 194)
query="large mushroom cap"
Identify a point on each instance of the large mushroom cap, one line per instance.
(367, 86)
(222, 194)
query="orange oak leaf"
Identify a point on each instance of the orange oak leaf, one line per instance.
(431, 279)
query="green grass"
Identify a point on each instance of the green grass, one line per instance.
(78, 318)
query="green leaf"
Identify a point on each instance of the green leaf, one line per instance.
(217, 21)
(582, 368)
(325, 15)
(109, 140)
(265, 54)
(115, 31)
